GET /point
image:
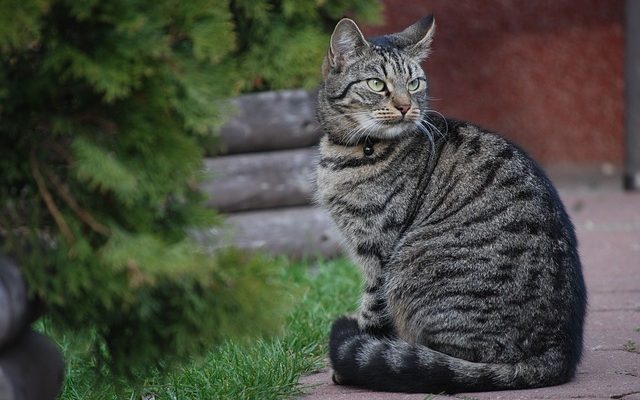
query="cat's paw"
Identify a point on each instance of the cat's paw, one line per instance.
(343, 328)
(335, 378)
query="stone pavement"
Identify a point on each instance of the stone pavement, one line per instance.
(607, 222)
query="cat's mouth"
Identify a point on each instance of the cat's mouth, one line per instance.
(393, 128)
(382, 126)
(388, 117)
(398, 120)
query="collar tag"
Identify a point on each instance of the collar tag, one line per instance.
(367, 148)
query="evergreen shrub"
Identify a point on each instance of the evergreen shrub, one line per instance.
(105, 109)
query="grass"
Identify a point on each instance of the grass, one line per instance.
(630, 346)
(265, 368)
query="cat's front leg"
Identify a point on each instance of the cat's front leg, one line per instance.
(373, 316)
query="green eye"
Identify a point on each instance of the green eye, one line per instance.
(375, 84)
(413, 84)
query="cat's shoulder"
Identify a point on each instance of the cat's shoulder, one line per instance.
(463, 135)
(475, 147)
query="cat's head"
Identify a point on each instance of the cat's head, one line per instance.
(374, 88)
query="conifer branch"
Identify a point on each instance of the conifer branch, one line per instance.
(61, 150)
(105, 124)
(48, 201)
(81, 213)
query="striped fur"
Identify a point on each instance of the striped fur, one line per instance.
(472, 279)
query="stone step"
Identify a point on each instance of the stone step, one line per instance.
(299, 232)
(274, 120)
(31, 368)
(14, 305)
(260, 180)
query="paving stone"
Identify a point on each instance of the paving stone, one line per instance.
(611, 301)
(612, 329)
(611, 261)
(604, 208)
(317, 385)
(602, 374)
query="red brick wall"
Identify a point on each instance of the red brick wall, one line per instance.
(546, 73)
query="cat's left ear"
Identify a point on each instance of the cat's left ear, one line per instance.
(416, 39)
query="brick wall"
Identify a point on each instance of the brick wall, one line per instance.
(546, 73)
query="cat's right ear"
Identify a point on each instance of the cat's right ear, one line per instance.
(346, 41)
(416, 39)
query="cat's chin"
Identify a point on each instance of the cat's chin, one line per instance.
(389, 131)
(394, 131)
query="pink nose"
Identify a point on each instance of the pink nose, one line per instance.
(403, 108)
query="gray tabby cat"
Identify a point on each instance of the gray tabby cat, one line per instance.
(472, 279)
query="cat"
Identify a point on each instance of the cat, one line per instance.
(472, 278)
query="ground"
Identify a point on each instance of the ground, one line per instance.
(607, 223)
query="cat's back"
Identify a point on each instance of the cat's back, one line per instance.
(484, 193)
(493, 246)
(480, 175)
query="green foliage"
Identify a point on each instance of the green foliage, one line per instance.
(105, 110)
(281, 43)
(238, 369)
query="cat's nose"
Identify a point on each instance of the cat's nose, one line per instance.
(403, 108)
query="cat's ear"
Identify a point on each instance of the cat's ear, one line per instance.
(346, 41)
(417, 38)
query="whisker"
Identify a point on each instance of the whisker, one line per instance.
(354, 133)
(446, 124)
(375, 125)
(342, 115)
(432, 127)
(427, 133)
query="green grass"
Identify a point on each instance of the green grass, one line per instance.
(264, 368)
(630, 346)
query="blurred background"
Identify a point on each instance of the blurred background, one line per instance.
(147, 145)
(547, 73)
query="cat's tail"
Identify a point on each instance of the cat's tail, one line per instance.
(392, 365)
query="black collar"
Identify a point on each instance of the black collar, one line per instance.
(367, 144)
(367, 147)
